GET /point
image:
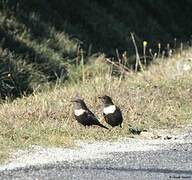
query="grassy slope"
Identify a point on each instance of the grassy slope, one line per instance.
(39, 39)
(156, 98)
(39, 42)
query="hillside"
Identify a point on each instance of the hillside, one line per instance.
(40, 40)
(157, 98)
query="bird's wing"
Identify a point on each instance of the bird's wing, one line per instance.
(92, 117)
(90, 113)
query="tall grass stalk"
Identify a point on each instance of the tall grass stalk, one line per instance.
(138, 61)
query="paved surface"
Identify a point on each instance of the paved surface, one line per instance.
(172, 162)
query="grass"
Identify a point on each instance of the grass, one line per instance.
(158, 97)
(39, 39)
(43, 46)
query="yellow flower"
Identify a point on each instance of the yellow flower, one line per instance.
(145, 43)
(9, 75)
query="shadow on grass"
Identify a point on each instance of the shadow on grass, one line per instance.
(19, 57)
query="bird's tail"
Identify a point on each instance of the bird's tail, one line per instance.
(101, 125)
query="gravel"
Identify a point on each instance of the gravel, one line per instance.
(85, 150)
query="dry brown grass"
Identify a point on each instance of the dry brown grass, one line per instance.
(156, 98)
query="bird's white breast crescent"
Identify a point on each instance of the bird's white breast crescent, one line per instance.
(109, 109)
(79, 112)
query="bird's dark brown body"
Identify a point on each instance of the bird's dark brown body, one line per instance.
(112, 114)
(84, 116)
(114, 119)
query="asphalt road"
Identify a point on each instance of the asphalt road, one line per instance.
(174, 162)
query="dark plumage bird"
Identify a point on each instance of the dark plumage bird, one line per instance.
(83, 115)
(111, 113)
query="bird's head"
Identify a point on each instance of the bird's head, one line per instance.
(79, 103)
(106, 100)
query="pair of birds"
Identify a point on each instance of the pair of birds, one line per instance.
(112, 113)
